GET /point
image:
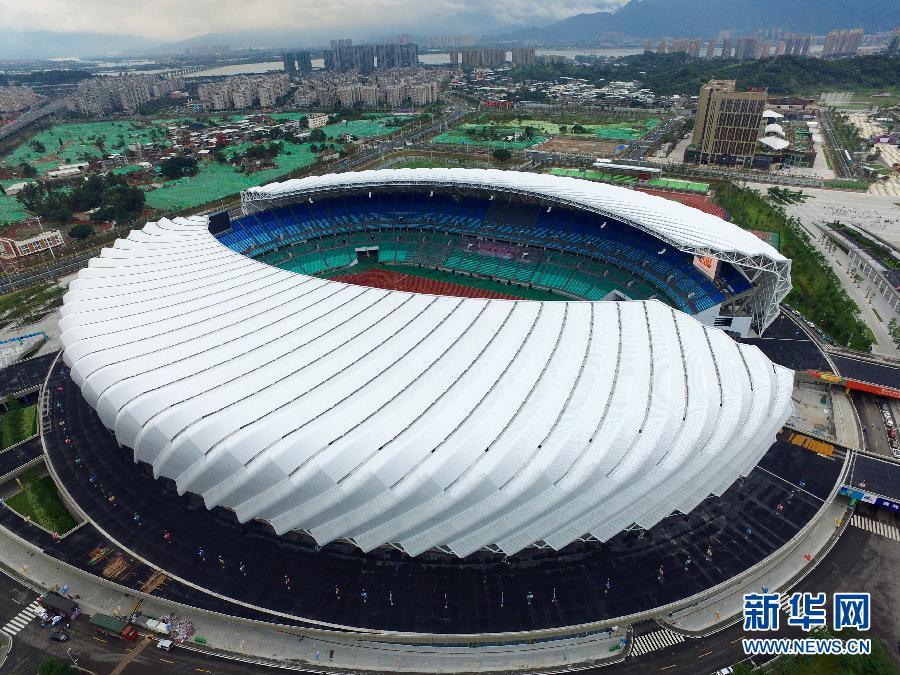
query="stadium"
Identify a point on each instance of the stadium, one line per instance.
(478, 400)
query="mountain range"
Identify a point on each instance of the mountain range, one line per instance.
(637, 19)
(695, 18)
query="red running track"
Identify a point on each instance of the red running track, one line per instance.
(697, 201)
(396, 281)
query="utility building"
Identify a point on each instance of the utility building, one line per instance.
(728, 123)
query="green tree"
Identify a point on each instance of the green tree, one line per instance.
(52, 666)
(317, 135)
(502, 155)
(27, 170)
(178, 167)
(81, 231)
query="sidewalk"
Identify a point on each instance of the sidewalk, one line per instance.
(244, 640)
(704, 617)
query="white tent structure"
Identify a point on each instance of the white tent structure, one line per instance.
(775, 129)
(772, 115)
(774, 142)
(384, 417)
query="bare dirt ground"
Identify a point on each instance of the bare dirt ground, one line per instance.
(580, 146)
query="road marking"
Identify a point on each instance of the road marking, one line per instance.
(167, 661)
(22, 619)
(98, 639)
(706, 654)
(667, 667)
(201, 670)
(651, 642)
(875, 527)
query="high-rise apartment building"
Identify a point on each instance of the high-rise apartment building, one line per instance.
(680, 46)
(728, 123)
(523, 56)
(711, 48)
(746, 49)
(648, 46)
(299, 63)
(290, 63)
(727, 48)
(842, 42)
(304, 63)
(893, 47)
(486, 58)
(694, 48)
(663, 47)
(367, 58)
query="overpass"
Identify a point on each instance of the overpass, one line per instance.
(862, 372)
(873, 481)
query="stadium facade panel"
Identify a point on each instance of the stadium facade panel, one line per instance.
(385, 417)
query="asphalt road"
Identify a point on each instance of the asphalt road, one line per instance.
(874, 431)
(98, 654)
(860, 561)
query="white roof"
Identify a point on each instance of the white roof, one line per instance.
(426, 421)
(775, 129)
(774, 142)
(771, 114)
(683, 226)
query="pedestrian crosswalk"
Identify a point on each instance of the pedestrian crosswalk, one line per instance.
(784, 603)
(656, 640)
(20, 620)
(875, 526)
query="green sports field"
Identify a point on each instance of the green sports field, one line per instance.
(490, 134)
(602, 177)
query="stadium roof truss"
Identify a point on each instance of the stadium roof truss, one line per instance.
(680, 226)
(410, 420)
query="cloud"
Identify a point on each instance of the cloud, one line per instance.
(169, 20)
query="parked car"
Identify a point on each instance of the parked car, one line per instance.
(59, 636)
(165, 645)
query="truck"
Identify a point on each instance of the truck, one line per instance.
(113, 626)
(150, 624)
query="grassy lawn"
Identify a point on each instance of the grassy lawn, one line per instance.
(11, 211)
(623, 130)
(30, 304)
(40, 502)
(17, 424)
(877, 663)
(817, 292)
(600, 176)
(459, 136)
(66, 143)
(215, 181)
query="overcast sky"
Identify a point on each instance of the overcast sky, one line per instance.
(167, 20)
